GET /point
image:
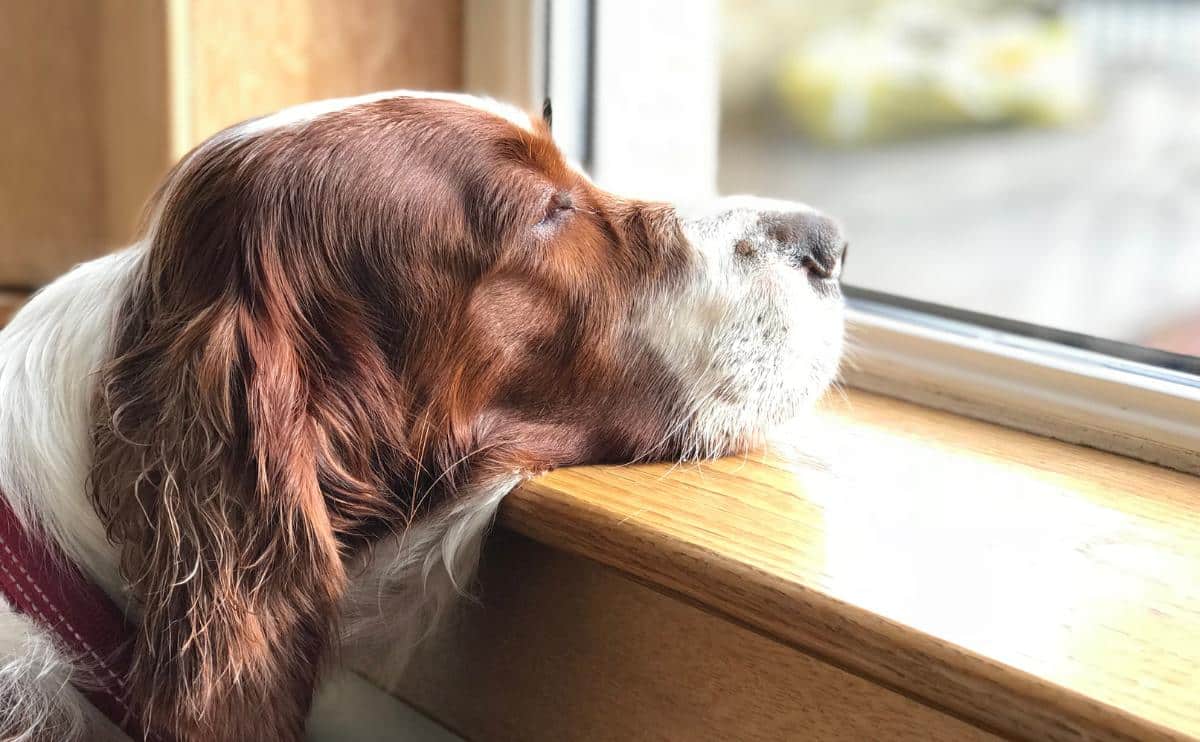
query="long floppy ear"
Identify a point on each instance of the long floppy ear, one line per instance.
(205, 474)
(206, 477)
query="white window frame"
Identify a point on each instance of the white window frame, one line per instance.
(647, 140)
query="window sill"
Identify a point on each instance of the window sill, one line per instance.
(1031, 587)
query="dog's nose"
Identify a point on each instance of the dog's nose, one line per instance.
(808, 240)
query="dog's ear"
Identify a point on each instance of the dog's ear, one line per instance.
(205, 473)
(206, 477)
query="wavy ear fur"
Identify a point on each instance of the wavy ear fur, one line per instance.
(261, 416)
(207, 450)
(207, 480)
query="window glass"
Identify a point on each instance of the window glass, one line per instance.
(1039, 161)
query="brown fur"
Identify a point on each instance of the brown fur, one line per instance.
(337, 326)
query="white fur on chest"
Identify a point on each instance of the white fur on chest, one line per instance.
(49, 355)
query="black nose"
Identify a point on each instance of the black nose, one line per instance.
(808, 240)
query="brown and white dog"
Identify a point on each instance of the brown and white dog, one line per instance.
(285, 418)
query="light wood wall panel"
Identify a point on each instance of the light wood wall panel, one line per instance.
(102, 97)
(246, 59)
(51, 200)
(134, 110)
(560, 648)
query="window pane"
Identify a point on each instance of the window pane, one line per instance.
(1039, 161)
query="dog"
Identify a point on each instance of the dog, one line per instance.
(284, 419)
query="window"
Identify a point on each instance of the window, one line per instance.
(1038, 161)
(1016, 178)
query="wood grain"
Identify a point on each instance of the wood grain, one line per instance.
(85, 141)
(1040, 589)
(107, 95)
(134, 115)
(247, 59)
(501, 29)
(561, 648)
(51, 208)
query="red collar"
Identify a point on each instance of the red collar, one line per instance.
(44, 586)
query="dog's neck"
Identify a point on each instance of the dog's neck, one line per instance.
(49, 355)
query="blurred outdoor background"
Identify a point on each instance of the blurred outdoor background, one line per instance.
(1033, 159)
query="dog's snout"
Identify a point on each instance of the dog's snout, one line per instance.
(808, 240)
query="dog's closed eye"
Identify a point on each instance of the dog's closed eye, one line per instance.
(558, 205)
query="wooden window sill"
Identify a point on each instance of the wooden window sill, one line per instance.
(1033, 587)
(1029, 587)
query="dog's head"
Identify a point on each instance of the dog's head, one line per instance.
(348, 312)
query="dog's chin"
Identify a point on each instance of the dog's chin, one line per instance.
(769, 401)
(752, 338)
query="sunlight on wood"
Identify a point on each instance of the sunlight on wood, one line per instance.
(1032, 586)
